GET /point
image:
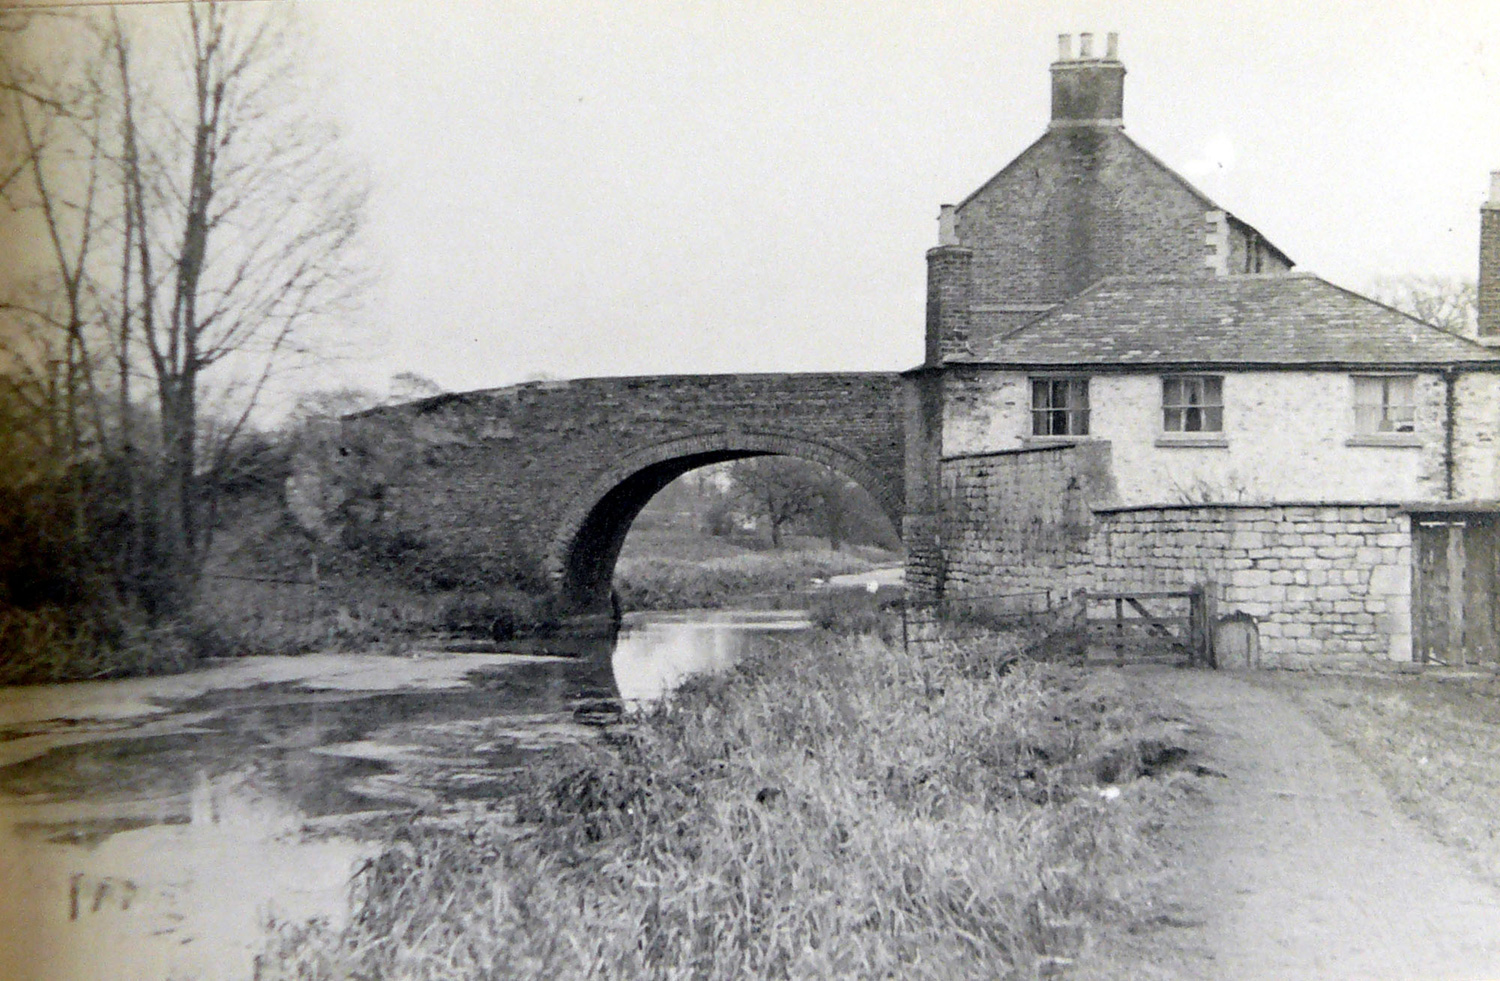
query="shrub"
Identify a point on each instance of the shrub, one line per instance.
(854, 611)
(500, 613)
(53, 643)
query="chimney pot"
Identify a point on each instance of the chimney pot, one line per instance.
(1087, 91)
(1065, 47)
(1112, 46)
(1494, 188)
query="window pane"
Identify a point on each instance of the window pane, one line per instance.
(1192, 403)
(1059, 406)
(1399, 390)
(1368, 391)
(1384, 403)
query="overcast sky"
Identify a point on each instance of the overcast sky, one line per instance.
(583, 188)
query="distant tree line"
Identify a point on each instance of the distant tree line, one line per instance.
(1443, 301)
(773, 497)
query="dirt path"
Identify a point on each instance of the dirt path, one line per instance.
(1301, 868)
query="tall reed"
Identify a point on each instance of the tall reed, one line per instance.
(840, 808)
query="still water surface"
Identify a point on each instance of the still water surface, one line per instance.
(150, 828)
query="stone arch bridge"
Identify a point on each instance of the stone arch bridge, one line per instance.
(541, 481)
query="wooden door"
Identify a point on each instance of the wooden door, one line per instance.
(1431, 613)
(1455, 580)
(1481, 537)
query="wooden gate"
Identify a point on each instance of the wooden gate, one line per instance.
(1455, 582)
(1168, 625)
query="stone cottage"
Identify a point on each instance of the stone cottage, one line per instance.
(1127, 387)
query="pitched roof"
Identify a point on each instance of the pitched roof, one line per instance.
(1283, 319)
(1117, 136)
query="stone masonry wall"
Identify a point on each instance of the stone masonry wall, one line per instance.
(483, 483)
(1476, 436)
(1019, 521)
(1079, 204)
(1327, 585)
(1271, 418)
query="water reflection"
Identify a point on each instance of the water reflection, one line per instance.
(149, 827)
(656, 653)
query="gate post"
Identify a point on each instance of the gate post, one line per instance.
(1200, 602)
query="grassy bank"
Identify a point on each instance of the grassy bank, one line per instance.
(838, 808)
(1432, 741)
(665, 582)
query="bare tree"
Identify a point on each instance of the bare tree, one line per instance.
(201, 226)
(243, 222)
(409, 386)
(780, 489)
(1445, 302)
(53, 181)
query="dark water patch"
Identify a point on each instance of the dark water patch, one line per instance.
(168, 768)
(111, 769)
(283, 741)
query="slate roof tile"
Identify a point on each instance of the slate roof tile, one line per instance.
(1285, 319)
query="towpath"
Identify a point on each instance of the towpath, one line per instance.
(1300, 867)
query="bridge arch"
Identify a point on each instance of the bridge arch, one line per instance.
(582, 551)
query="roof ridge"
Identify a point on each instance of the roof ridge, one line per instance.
(1043, 315)
(1195, 278)
(1002, 171)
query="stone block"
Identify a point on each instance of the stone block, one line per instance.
(1388, 579)
(1399, 648)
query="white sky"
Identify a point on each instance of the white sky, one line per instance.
(585, 188)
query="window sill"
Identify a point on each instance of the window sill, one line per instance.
(1411, 440)
(1204, 441)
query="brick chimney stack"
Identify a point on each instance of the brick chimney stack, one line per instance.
(1489, 265)
(1088, 90)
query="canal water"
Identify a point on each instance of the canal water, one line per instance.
(152, 828)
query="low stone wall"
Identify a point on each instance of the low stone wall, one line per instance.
(1328, 585)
